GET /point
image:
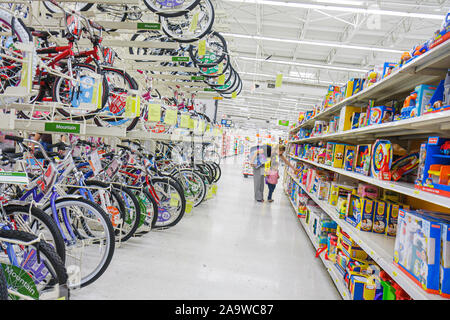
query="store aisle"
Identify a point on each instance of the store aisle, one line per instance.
(231, 247)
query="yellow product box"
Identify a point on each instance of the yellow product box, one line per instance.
(338, 155)
(345, 117)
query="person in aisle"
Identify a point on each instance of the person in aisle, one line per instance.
(273, 173)
(258, 161)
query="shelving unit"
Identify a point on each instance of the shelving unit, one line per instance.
(329, 266)
(379, 247)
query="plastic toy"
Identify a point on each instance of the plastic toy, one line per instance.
(440, 100)
(434, 168)
(445, 148)
(409, 109)
(404, 59)
(363, 159)
(404, 165)
(381, 159)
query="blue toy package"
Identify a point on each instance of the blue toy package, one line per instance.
(424, 94)
(417, 249)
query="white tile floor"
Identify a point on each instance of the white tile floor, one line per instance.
(230, 247)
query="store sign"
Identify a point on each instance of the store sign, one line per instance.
(62, 127)
(180, 59)
(283, 123)
(148, 26)
(198, 78)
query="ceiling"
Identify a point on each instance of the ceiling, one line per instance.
(314, 44)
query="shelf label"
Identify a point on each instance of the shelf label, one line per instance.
(62, 127)
(180, 59)
(184, 121)
(198, 78)
(149, 25)
(13, 177)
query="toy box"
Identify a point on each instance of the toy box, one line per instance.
(329, 156)
(387, 69)
(379, 217)
(367, 191)
(355, 120)
(417, 249)
(338, 155)
(424, 95)
(363, 159)
(345, 117)
(440, 101)
(360, 212)
(381, 114)
(382, 154)
(349, 158)
(338, 190)
(434, 167)
(392, 209)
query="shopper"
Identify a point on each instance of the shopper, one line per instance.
(258, 162)
(273, 173)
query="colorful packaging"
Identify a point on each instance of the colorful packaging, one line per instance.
(338, 158)
(379, 217)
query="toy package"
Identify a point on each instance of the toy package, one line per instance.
(404, 165)
(381, 114)
(360, 212)
(363, 159)
(338, 155)
(417, 249)
(345, 117)
(440, 101)
(434, 166)
(382, 154)
(349, 158)
(379, 217)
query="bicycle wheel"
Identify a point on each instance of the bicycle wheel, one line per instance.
(36, 221)
(171, 202)
(132, 211)
(191, 26)
(194, 186)
(119, 85)
(89, 235)
(3, 286)
(73, 95)
(12, 30)
(170, 8)
(149, 211)
(113, 13)
(33, 270)
(217, 49)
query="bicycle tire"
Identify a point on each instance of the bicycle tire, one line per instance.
(90, 114)
(203, 185)
(134, 223)
(150, 211)
(48, 255)
(177, 13)
(194, 52)
(38, 214)
(3, 286)
(103, 218)
(180, 210)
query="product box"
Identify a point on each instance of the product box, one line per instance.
(338, 155)
(363, 159)
(360, 212)
(379, 217)
(417, 249)
(345, 117)
(381, 114)
(338, 190)
(424, 94)
(349, 158)
(329, 156)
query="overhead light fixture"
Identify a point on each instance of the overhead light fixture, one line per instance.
(312, 81)
(313, 43)
(343, 9)
(310, 65)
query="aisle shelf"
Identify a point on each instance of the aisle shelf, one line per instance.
(379, 247)
(431, 123)
(330, 267)
(400, 187)
(428, 68)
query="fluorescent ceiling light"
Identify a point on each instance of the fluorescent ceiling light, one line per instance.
(344, 9)
(312, 81)
(310, 65)
(313, 43)
(347, 2)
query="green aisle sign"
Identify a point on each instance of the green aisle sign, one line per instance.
(62, 127)
(283, 123)
(148, 26)
(181, 59)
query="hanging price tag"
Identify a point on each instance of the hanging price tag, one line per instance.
(154, 112)
(234, 95)
(214, 188)
(90, 93)
(133, 106)
(189, 206)
(194, 22)
(201, 47)
(220, 68)
(170, 117)
(174, 199)
(94, 162)
(184, 120)
(221, 80)
(279, 80)
(190, 123)
(201, 126)
(113, 168)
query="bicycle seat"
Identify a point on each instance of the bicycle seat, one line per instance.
(44, 34)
